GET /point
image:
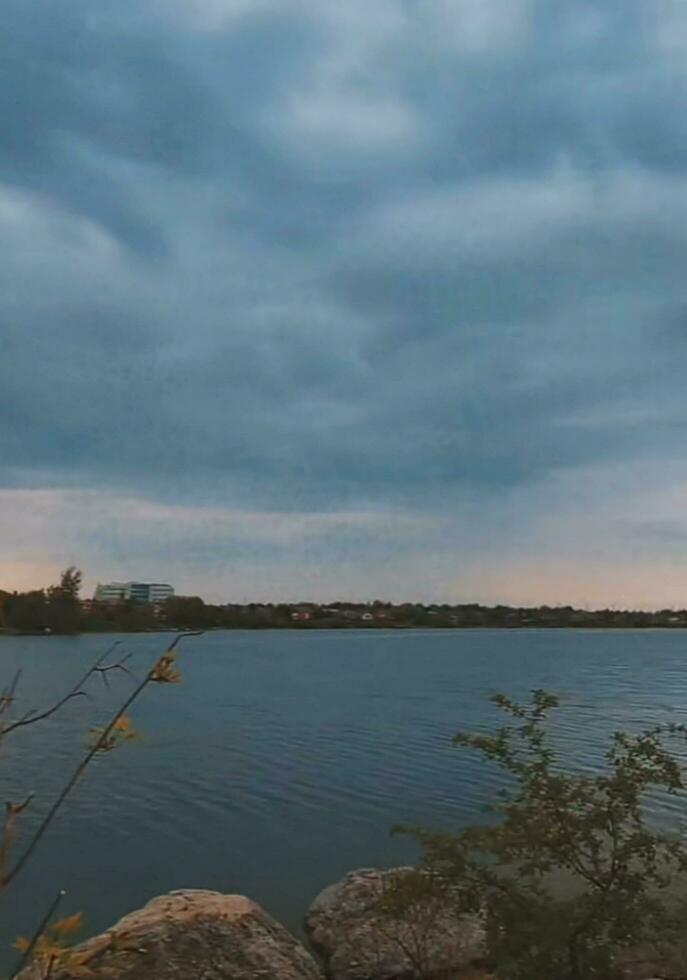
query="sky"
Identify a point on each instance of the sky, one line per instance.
(346, 299)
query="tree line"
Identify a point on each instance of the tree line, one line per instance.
(60, 609)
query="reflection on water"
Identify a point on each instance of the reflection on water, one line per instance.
(285, 757)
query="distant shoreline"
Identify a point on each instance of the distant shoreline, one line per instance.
(9, 634)
(59, 610)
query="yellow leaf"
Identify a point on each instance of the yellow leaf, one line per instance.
(21, 943)
(72, 923)
(47, 948)
(165, 671)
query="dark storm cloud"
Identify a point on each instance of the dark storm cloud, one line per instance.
(295, 255)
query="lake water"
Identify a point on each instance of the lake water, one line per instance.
(284, 758)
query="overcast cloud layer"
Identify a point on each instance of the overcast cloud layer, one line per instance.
(346, 298)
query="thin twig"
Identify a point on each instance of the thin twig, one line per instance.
(104, 671)
(38, 933)
(182, 636)
(12, 811)
(7, 698)
(102, 740)
(31, 718)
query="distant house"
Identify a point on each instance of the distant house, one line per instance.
(367, 617)
(301, 615)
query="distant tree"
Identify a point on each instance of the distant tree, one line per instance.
(26, 612)
(4, 596)
(186, 612)
(64, 609)
(71, 581)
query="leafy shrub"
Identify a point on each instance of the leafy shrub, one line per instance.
(571, 878)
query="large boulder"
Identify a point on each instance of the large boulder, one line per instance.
(358, 941)
(190, 935)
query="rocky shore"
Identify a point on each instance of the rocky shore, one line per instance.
(203, 935)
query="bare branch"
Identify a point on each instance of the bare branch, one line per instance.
(26, 955)
(9, 829)
(8, 695)
(31, 717)
(150, 677)
(182, 636)
(104, 671)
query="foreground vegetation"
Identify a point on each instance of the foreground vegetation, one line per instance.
(572, 880)
(48, 944)
(568, 875)
(60, 609)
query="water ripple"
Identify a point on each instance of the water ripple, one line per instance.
(284, 758)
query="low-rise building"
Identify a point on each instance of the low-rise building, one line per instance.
(159, 592)
(110, 592)
(154, 593)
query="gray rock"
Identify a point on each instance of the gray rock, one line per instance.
(356, 942)
(190, 935)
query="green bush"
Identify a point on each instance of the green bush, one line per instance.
(572, 880)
